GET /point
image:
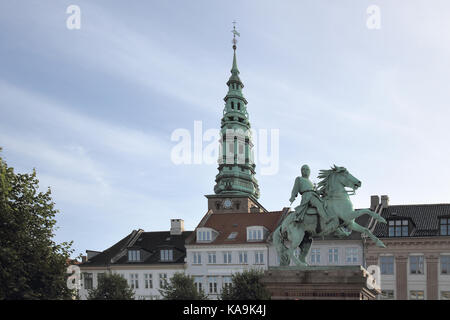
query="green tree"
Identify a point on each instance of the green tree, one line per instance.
(246, 286)
(32, 265)
(111, 287)
(181, 287)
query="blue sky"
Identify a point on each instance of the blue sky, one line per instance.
(93, 109)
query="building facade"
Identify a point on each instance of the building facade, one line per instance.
(416, 261)
(145, 259)
(228, 243)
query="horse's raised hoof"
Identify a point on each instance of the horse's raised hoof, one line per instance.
(380, 244)
(382, 220)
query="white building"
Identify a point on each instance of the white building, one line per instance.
(227, 243)
(415, 265)
(145, 259)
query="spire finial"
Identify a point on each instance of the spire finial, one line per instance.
(235, 33)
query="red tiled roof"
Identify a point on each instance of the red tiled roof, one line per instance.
(226, 223)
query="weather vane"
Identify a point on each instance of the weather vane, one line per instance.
(235, 33)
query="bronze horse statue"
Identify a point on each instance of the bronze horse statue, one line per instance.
(292, 234)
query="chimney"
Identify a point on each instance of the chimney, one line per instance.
(176, 226)
(84, 259)
(385, 201)
(374, 202)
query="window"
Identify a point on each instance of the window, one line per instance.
(233, 235)
(445, 226)
(445, 295)
(416, 264)
(167, 255)
(259, 257)
(196, 258)
(315, 256)
(239, 106)
(398, 228)
(351, 255)
(204, 235)
(232, 105)
(227, 282)
(227, 257)
(445, 264)
(212, 281)
(134, 255)
(333, 255)
(387, 295)
(211, 257)
(416, 295)
(88, 283)
(387, 264)
(148, 280)
(198, 281)
(254, 234)
(100, 276)
(162, 279)
(242, 257)
(134, 281)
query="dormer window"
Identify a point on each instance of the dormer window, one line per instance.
(166, 255)
(398, 228)
(255, 233)
(444, 226)
(134, 255)
(205, 235)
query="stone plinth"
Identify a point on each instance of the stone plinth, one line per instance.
(320, 283)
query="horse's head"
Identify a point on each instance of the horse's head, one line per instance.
(346, 179)
(337, 178)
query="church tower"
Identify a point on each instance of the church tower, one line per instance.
(236, 188)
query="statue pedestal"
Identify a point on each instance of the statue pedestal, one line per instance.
(320, 283)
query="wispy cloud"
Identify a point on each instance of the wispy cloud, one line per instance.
(55, 120)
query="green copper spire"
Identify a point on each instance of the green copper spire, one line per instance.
(236, 166)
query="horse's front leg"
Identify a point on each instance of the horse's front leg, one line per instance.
(356, 227)
(357, 213)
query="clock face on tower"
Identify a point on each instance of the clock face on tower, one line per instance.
(227, 203)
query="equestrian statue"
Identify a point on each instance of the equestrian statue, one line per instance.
(323, 210)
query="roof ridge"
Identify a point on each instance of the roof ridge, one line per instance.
(247, 213)
(418, 204)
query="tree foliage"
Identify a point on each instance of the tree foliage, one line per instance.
(181, 287)
(32, 265)
(111, 287)
(246, 286)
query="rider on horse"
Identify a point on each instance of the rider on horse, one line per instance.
(310, 197)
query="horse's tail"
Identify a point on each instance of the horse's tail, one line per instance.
(278, 241)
